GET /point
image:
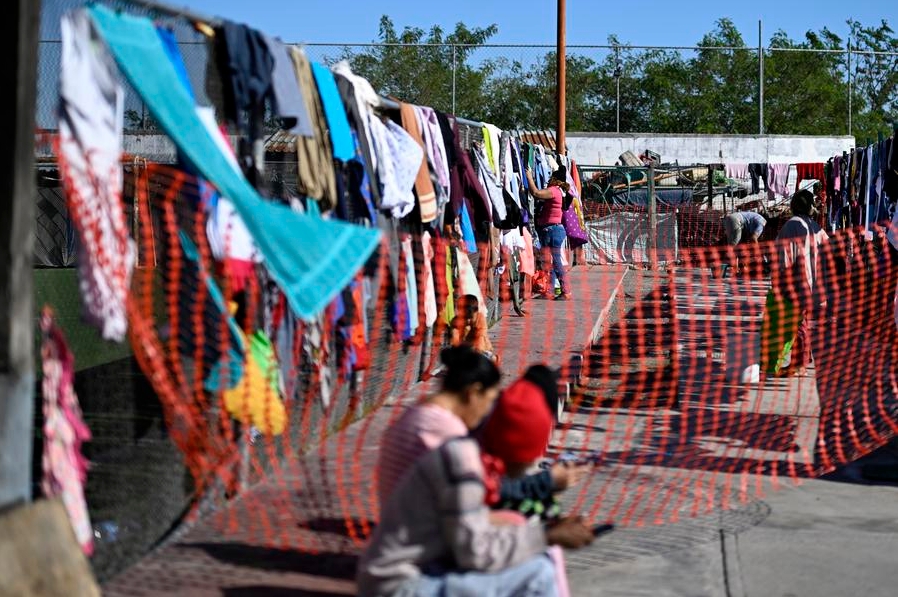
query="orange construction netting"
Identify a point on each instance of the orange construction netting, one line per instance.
(670, 374)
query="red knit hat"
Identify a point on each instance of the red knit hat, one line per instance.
(518, 430)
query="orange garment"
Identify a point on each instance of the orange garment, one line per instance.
(427, 199)
(472, 332)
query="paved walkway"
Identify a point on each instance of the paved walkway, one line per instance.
(826, 537)
(295, 535)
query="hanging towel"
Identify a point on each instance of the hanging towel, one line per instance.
(430, 292)
(427, 200)
(737, 171)
(64, 466)
(310, 272)
(338, 125)
(778, 177)
(90, 149)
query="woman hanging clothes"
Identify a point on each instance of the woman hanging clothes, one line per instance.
(549, 222)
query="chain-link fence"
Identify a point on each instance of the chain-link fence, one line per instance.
(688, 89)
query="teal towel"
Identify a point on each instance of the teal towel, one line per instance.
(311, 259)
(334, 112)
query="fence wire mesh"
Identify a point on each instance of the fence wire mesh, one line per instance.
(659, 397)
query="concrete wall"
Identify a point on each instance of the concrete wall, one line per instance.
(604, 148)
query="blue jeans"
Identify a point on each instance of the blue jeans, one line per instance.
(553, 237)
(533, 578)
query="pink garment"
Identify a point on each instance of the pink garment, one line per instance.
(430, 293)
(737, 171)
(528, 262)
(64, 466)
(556, 554)
(777, 179)
(420, 429)
(550, 213)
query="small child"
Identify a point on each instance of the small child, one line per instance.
(469, 327)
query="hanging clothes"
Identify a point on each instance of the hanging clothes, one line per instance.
(337, 124)
(778, 178)
(64, 431)
(427, 201)
(436, 151)
(411, 288)
(256, 400)
(809, 171)
(430, 293)
(399, 166)
(736, 171)
(288, 99)
(465, 188)
(315, 176)
(758, 172)
(246, 68)
(90, 149)
(491, 148)
(360, 100)
(491, 184)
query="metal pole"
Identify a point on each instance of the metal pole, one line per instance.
(19, 42)
(653, 219)
(617, 108)
(454, 68)
(849, 86)
(562, 81)
(617, 75)
(760, 79)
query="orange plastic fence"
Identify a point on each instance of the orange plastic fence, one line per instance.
(670, 395)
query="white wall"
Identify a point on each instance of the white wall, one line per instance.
(603, 149)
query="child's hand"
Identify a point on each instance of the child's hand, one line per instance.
(566, 474)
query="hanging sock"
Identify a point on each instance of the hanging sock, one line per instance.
(90, 149)
(311, 272)
(64, 466)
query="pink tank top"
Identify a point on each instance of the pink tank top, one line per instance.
(551, 209)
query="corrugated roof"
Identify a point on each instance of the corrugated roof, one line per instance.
(281, 142)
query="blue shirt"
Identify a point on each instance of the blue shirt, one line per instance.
(753, 222)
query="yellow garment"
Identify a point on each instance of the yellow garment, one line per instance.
(256, 399)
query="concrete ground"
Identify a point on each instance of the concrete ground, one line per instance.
(716, 533)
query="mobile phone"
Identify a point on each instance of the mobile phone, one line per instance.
(601, 529)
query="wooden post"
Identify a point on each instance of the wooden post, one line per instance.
(18, 40)
(561, 52)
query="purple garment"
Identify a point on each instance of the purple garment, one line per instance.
(433, 143)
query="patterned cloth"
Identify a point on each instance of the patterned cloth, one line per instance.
(64, 467)
(90, 147)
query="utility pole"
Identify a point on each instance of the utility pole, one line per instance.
(760, 79)
(18, 41)
(562, 81)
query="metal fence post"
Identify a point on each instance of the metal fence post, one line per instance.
(653, 219)
(760, 79)
(849, 85)
(454, 70)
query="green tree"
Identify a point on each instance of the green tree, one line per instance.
(416, 65)
(875, 79)
(805, 92)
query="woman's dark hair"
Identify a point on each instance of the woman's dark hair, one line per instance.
(547, 380)
(466, 367)
(469, 304)
(803, 203)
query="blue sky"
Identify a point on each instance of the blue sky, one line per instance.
(645, 22)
